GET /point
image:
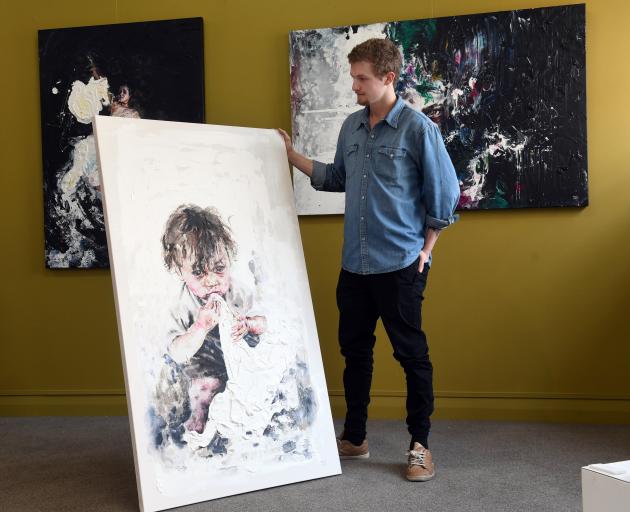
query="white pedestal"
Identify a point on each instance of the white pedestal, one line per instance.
(606, 487)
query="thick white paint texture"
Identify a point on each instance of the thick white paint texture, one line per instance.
(84, 102)
(243, 410)
(87, 100)
(496, 142)
(83, 166)
(148, 169)
(455, 95)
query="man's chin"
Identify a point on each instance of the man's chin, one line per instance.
(362, 100)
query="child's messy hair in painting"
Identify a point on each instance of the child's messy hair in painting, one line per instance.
(195, 234)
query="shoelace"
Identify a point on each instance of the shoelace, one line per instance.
(416, 457)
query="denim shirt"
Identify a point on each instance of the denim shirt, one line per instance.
(398, 180)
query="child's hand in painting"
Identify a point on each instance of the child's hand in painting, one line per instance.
(239, 329)
(256, 324)
(209, 315)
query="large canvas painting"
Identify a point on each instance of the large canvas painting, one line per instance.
(225, 382)
(150, 70)
(507, 89)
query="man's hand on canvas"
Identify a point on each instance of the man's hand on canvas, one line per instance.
(287, 140)
(296, 159)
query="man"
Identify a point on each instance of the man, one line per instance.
(401, 191)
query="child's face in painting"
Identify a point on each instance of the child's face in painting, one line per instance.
(215, 279)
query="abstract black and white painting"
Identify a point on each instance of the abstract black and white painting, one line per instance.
(508, 90)
(150, 70)
(225, 382)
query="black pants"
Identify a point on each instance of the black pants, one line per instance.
(395, 297)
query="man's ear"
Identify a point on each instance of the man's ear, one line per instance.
(390, 77)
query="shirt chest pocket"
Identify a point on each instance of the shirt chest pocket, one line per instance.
(390, 163)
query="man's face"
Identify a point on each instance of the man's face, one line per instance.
(366, 85)
(215, 279)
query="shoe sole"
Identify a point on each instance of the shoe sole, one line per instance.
(421, 478)
(358, 457)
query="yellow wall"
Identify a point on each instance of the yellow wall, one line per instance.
(526, 311)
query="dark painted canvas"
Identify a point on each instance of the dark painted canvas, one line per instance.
(151, 70)
(508, 90)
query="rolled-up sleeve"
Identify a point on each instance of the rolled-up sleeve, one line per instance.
(318, 178)
(441, 186)
(331, 177)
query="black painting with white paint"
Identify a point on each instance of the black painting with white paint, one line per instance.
(151, 70)
(507, 89)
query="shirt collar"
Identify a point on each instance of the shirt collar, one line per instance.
(391, 118)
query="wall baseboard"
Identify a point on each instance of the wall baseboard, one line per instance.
(500, 406)
(59, 404)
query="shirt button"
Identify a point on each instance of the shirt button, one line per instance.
(372, 136)
(391, 155)
(362, 218)
(367, 156)
(362, 197)
(365, 175)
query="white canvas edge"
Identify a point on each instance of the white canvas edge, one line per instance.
(95, 123)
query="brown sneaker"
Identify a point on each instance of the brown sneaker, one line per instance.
(347, 450)
(420, 464)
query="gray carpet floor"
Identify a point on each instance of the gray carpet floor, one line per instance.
(68, 464)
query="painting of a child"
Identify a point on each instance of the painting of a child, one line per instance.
(224, 377)
(199, 248)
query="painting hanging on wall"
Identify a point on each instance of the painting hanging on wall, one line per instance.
(150, 70)
(507, 89)
(224, 378)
